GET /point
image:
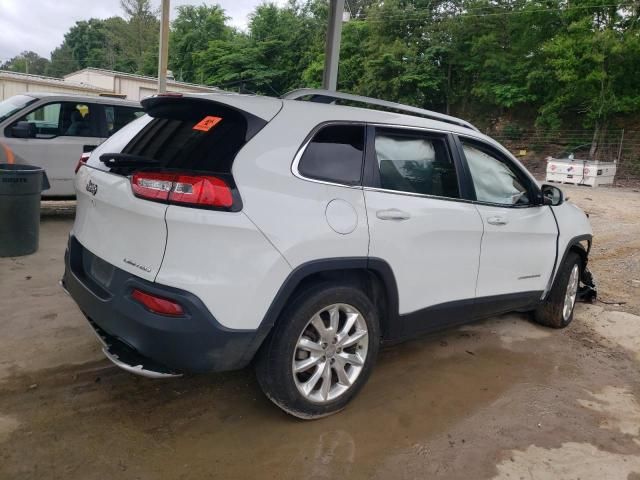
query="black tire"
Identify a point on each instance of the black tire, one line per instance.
(274, 362)
(551, 312)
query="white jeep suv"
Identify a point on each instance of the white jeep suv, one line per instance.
(221, 230)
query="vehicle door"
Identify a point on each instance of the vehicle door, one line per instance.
(60, 132)
(520, 233)
(420, 224)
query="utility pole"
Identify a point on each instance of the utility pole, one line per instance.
(332, 49)
(163, 56)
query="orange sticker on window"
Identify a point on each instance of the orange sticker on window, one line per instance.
(207, 123)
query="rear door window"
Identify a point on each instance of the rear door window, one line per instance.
(415, 162)
(335, 154)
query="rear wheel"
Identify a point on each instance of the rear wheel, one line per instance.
(321, 352)
(557, 310)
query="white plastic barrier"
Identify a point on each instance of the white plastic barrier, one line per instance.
(580, 172)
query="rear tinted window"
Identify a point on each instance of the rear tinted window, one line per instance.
(190, 136)
(335, 154)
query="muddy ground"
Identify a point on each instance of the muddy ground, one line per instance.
(500, 399)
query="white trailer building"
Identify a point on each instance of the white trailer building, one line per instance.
(129, 86)
(92, 81)
(14, 83)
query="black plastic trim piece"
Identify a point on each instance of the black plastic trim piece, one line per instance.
(450, 314)
(465, 182)
(398, 327)
(305, 270)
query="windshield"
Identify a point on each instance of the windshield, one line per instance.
(13, 104)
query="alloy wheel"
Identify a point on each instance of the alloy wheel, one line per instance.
(330, 353)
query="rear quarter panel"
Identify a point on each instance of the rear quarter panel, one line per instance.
(289, 210)
(222, 258)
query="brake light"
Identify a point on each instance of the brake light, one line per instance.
(83, 160)
(156, 304)
(211, 191)
(197, 190)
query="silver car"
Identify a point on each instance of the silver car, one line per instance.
(54, 130)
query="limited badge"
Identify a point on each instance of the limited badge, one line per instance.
(207, 123)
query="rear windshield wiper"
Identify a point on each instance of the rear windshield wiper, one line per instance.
(126, 160)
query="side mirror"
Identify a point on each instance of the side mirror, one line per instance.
(552, 195)
(24, 130)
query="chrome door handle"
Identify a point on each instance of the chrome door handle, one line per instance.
(392, 214)
(497, 220)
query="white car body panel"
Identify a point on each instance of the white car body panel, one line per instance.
(289, 210)
(517, 256)
(113, 224)
(434, 253)
(260, 106)
(222, 258)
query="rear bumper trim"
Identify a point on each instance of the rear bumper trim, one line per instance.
(136, 369)
(124, 357)
(147, 343)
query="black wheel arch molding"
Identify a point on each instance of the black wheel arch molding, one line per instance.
(574, 244)
(312, 270)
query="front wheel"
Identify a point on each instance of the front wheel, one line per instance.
(557, 309)
(321, 352)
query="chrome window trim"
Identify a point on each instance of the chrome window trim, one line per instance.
(298, 156)
(505, 205)
(419, 195)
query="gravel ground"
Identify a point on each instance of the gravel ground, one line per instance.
(499, 399)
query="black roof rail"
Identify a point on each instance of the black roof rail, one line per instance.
(328, 96)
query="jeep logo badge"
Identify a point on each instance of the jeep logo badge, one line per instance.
(92, 188)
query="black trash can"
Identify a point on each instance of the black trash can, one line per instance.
(20, 190)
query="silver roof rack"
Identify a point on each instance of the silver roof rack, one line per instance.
(327, 96)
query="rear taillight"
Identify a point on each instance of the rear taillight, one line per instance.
(211, 191)
(152, 186)
(157, 304)
(183, 189)
(83, 160)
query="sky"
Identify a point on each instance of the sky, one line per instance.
(40, 25)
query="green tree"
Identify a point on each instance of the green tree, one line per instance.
(27, 62)
(591, 69)
(401, 56)
(62, 61)
(140, 37)
(86, 41)
(192, 30)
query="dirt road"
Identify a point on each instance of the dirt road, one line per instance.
(499, 399)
